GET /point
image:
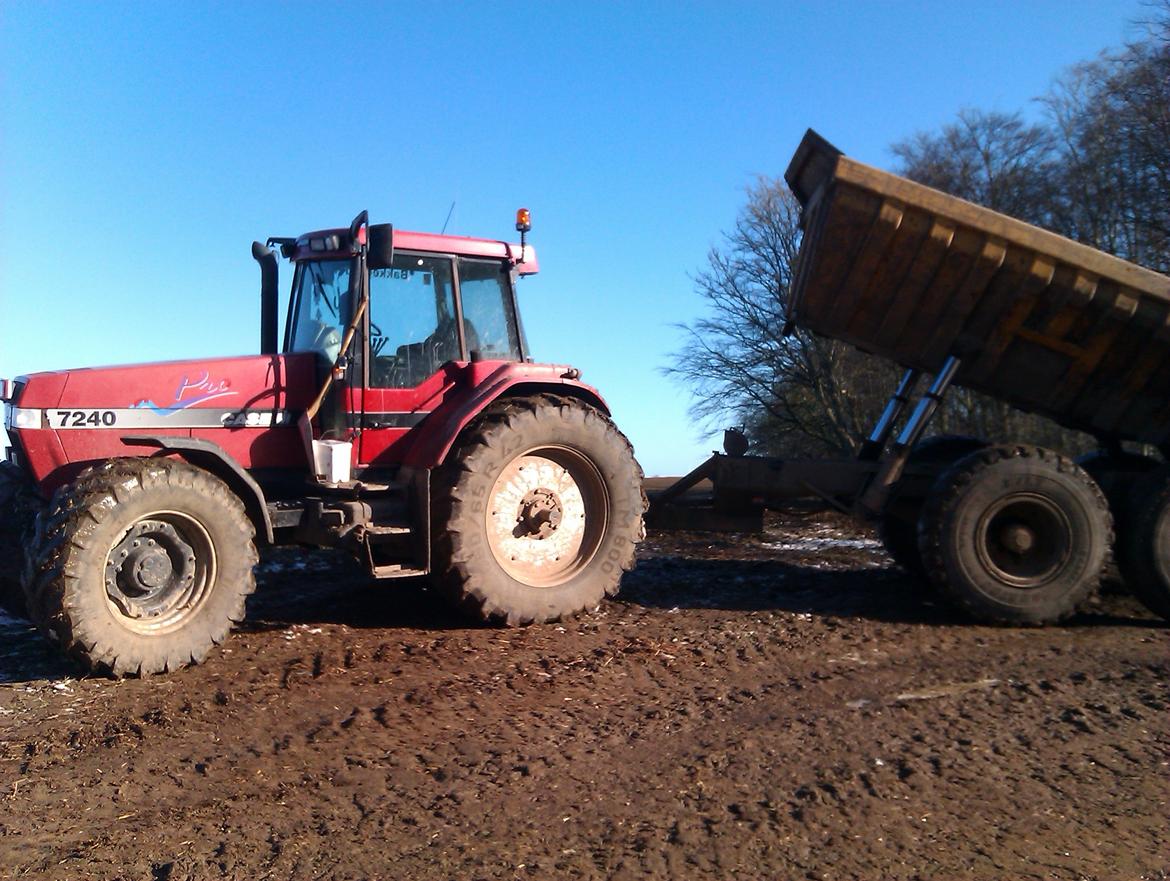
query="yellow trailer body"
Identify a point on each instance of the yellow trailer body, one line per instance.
(914, 275)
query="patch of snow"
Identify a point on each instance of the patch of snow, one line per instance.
(823, 544)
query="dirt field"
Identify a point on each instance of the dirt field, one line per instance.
(776, 707)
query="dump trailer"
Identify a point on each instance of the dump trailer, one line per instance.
(958, 294)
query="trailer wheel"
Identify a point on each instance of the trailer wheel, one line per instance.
(19, 504)
(1116, 475)
(1144, 547)
(1015, 535)
(141, 566)
(537, 511)
(898, 527)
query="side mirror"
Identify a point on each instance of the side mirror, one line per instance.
(381, 246)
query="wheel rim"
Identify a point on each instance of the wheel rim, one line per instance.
(1024, 540)
(546, 515)
(159, 572)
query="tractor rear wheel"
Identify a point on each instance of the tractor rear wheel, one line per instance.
(19, 504)
(1144, 547)
(1015, 535)
(537, 511)
(141, 566)
(898, 527)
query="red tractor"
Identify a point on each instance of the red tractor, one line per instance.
(401, 420)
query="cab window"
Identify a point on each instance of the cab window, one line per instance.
(320, 308)
(489, 321)
(412, 329)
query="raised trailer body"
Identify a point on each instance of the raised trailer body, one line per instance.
(1038, 320)
(971, 297)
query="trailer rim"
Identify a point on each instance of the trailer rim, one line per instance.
(1024, 540)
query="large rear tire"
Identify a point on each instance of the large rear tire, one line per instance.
(1117, 475)
(141, 566)
(537, 511)
(1015, 535)
(1144, 547)
(19, 505)
(898, 527)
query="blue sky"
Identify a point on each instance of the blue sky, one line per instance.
(144, 146)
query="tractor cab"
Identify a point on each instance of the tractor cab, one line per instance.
(393, 317)
(400, 420)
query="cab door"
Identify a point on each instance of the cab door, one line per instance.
(413, 328)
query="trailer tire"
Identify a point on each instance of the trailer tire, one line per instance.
(1144, 547)
(523, 548)
(1117, 476)
(898, 527)
(19, 505)
(140, 566)
(1015, 535)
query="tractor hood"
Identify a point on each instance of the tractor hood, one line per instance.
(202, 393)
(246, 406)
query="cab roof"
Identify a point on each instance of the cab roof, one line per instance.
(405, 240)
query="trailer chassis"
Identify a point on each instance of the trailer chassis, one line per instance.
(744, 486)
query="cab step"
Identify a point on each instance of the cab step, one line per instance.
(388, 529)
(396, 570)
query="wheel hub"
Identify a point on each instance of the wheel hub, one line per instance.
(1018, 538)
(1024, 540)
(540, 514)
(545, 516)
(151, 571)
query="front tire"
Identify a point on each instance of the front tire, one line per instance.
(19, 505)
(537, 512)
(1015, 535)
(141, 566)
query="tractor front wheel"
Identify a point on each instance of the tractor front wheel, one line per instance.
(537, 511)
(141, 566)
(19, 504)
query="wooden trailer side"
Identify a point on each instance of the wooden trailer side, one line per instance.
(914, 275)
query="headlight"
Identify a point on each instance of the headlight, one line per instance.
(21, 417)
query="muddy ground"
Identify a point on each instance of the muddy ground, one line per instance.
(777, 706)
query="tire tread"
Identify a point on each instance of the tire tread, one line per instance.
(64, 535)
(944, 498)
(456, 578)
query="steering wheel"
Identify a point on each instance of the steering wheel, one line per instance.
(378, 339)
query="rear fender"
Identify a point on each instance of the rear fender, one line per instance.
(489, 382)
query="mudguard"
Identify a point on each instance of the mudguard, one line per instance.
(490, 381)
(213, 458)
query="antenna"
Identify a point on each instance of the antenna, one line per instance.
(450, 211)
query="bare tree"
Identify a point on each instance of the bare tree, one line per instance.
(1098, 171)
(993, 159)
(795, 393)
(1112, 118)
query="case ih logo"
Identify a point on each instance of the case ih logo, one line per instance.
(189, 393)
